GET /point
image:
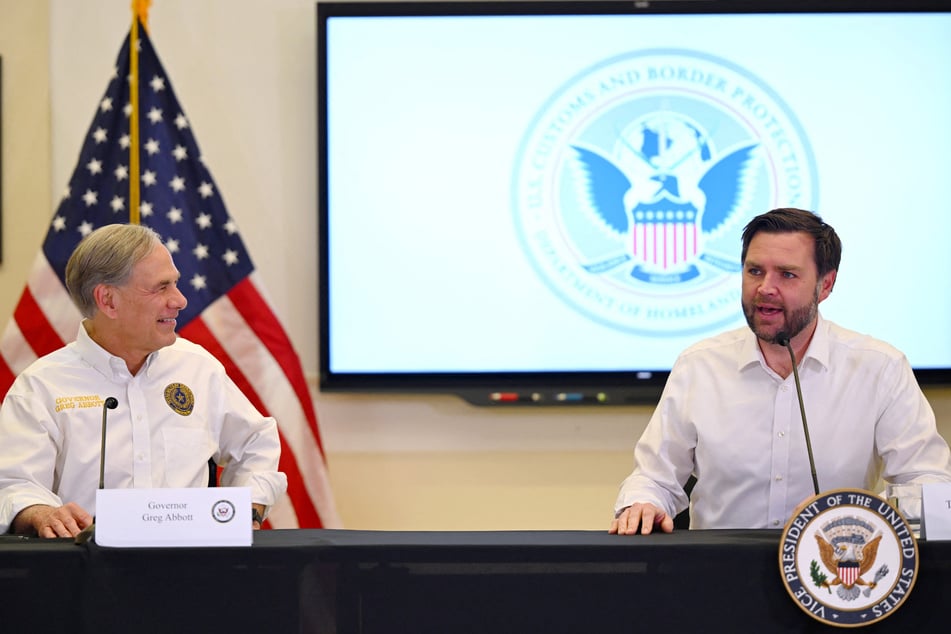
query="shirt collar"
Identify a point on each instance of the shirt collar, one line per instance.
(818, 349)
(103, 361)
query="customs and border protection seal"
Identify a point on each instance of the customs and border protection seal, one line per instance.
(848, 558)
(180, 398)
(634, 180)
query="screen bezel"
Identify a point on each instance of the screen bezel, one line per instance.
(532, 387)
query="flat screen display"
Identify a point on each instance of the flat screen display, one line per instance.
(545, 200)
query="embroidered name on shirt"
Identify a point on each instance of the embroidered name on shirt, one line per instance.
(180, 398)
(78, 402)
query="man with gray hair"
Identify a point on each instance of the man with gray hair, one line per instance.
(177, 406)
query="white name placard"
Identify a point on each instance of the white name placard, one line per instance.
(143, 518)
(936, 511)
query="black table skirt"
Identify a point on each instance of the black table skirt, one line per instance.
(381, 581)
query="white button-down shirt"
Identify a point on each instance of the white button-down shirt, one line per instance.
(178, 411)
(725, 417)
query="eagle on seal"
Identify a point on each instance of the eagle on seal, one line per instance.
(848, 561)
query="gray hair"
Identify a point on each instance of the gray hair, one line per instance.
(106, 256)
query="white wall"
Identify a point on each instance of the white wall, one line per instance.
(244, 71)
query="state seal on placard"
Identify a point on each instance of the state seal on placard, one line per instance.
(180, 398)
(848, 558)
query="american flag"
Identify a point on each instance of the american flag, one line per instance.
(227, 311)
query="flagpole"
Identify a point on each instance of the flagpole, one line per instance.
(140, 10)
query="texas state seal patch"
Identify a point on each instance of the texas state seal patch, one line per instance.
(180, 398)
(848, 558)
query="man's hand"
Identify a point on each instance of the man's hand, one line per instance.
(643, 516)
(52, 521)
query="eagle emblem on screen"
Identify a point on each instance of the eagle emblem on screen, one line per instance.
(658, 207)
(634, 180)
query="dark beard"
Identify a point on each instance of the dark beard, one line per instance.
(796, 321)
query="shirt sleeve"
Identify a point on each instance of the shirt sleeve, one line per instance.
(28, 459)
(663, 456)
(249, 447)
(906, 434)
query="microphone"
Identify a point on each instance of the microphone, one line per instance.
(782, 338)
(110, 403)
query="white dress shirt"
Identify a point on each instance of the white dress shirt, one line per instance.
(178, 411)
(727, 418)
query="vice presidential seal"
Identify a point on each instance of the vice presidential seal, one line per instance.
(635, 179)
(848, 558)
(223, 511)
(180, 398)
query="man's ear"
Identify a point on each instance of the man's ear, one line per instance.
(826, 284)
(105, 296)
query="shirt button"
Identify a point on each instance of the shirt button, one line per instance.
(779, 478)
(782, 434)
(775, 522)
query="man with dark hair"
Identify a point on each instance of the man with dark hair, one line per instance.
(178, 408)
(729, 415)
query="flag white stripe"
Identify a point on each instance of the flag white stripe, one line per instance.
(53, 299)
(16, 352)
(241, 343)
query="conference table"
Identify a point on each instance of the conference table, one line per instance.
(453, 582)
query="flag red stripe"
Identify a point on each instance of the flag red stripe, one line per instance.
(304, 507)
(6, 376)
(35, 328)
(197, 331)
(257, 313)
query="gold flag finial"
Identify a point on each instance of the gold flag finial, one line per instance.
(140, 10)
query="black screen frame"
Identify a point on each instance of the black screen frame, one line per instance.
(533, 387)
